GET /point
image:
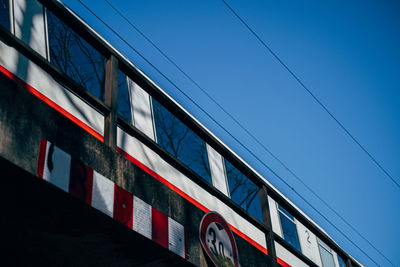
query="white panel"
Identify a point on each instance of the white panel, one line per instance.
(288, 257)
(141, 109)
(217, 170)
(176, 237)
(9, 58)
(308, 243)
(103, 194)
(45, 84)
(276, 225)
(60, 163)
(29, 24)
(335, 258)
(141, 217)
(153, 161)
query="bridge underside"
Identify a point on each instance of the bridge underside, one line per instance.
(44, 226)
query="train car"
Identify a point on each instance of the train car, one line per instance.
(96, 138)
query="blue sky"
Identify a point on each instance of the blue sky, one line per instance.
(346, 52)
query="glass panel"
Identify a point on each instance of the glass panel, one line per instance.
(289, 231)
(286, 212)
(326, 257)
(5, 14)
(180, 141)
(124, 108)
(341, 261)
(243, 191)
(75, 57)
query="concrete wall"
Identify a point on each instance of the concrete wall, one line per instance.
(25, 120)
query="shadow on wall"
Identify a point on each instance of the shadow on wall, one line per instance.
(29, 27)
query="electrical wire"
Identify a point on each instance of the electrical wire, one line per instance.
(216, 122)
(244, 128)
(311, 94)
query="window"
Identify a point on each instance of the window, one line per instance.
(5, 14)
(181, 142)
(341, 261)
(289, 229)
(243, 191)
(75, 57)
(124, 106)
(326, 255)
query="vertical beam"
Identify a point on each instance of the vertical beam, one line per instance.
(348, 262)
(111, 101)
(267, 222)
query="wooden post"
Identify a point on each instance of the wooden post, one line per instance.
(267, 222)
(348, 263)
(111, 101)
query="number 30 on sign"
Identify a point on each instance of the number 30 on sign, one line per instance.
(217, 240)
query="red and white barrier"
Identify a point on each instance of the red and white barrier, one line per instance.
(60, 169)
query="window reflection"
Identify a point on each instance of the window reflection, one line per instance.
(326, 255)
(243, 191)
(5, 14)
(124, 108)
(289, 229)
(341, 262)
(180, 141)
(75, 57)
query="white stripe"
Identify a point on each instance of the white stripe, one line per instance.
(152, 160)
(288, 257)
(103, 194)
(141, 217)
(176, 237)
(59, 175)
(44, 83)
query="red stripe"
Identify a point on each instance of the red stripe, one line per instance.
(81, 181)
(281, 262)
(186, 196)
(248, 239)
(162, 180)
(123, 206)
(42, 157)
(129, 157)
(159, 228)
(52, 104)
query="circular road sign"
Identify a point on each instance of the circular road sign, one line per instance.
(217, 240)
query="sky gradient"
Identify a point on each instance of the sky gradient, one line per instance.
(346, 52)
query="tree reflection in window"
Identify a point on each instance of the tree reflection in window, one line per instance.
(181, 142)
(5, 14)
(289, 229)
(124, 106)
(243, 191)
(75, 57)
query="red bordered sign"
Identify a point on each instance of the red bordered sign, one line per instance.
(217, 240)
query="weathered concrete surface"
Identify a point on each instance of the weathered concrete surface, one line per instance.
(44, 226)
(24, 121)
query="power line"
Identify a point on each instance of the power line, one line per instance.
(216, 122)
(243, 128)
(311, 94)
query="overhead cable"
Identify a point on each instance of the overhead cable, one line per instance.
(313, 95)
(226, 131)
(244, 128)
